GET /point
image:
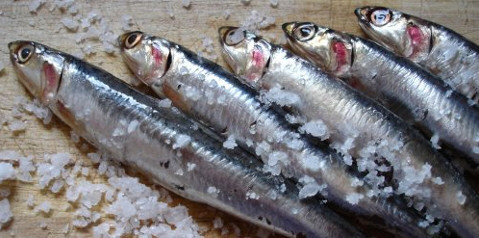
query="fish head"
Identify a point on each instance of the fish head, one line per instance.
(38, 67)
(247, 54)
(148, 57)
(330, 50)
(404, 34)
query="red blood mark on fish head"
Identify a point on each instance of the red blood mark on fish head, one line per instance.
(50, 74)
(415, 34)
(258, 58)
(257, 65)
(51, 79)
(157, 55)
(341, 52)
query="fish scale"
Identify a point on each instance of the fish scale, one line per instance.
(95, 103)
(244, 108)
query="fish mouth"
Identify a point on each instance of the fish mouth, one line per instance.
(362, 14)
(289, 27)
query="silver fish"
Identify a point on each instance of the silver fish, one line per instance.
(406, 89)
(196, 85)
(416, 166)
(160, 142)
(440, 50)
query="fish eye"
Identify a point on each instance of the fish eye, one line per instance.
(304, 32)
(25, 52)
(132, 40)
(234, 37)
(380, 17)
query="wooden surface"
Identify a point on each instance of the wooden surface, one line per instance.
(188, 28)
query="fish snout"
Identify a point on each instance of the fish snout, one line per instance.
(362, 13)
(288, 28)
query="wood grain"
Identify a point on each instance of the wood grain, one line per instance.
(188, 27)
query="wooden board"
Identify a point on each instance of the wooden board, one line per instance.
(188, 27)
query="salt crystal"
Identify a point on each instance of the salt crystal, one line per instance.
(43, 207)
(94, 157)
(127, 22)
(309, 190)
(461, 198)
(30, 201)
(437, 180)
(43, 225)
(217, 223)
(186, 3)
(312, 162)
(70, 24)
(434, 141)
(6, 171)
(252, 195)
(35, 5)
(316, 128)
(5, 212)
(166, 103)
(176, 214)
(280, 96)
(355, 182)
(423, 224)
(274, 3)
(16, 125)
(57, 185)
(101, 230)
(449, 92)
(84, 171)
(190, 166)
(181, 141)
(354, 198)
(80, 222)
(230, 142)
(213, 191)
(179, 172)
(9, 155)
(227, 14)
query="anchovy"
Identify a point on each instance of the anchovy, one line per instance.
(406, 89)
(160, 142)
(438, 49)
(215, 97)
(418, 170)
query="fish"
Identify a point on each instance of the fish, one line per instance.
(160, 142)
(195, 85)
(440, 50)
(361, 127)
(403, 87)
